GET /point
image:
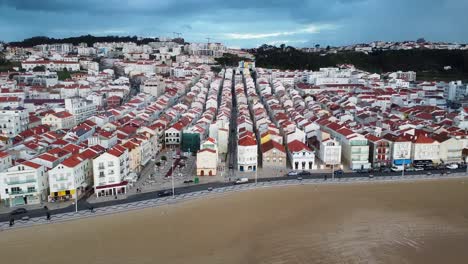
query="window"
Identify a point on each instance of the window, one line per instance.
(110, 163)
(6, 191)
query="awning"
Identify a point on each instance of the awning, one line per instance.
(120, 184)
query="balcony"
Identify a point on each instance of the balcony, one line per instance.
(21, 181)
(23, 192)
(61, 179)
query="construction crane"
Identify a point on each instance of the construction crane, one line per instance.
(177, 34)
(208, 40)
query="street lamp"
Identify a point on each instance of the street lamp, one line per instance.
(172, 170)
(76, 200)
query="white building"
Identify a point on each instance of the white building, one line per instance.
(109, 171)
(13, 121)
(207, 158)
(51, 65)
(80, 108)
(5, 161)
(247, 154)
(425, 148)
(59, 120)
(300, 156)
(330, 152)
(22, 184)
(72, 175)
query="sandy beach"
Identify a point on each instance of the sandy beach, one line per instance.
(411, 222)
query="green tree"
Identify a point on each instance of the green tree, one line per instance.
(41, 68)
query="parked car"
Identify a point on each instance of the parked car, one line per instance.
(165, 193)
(19, 211)
(397, 168)
(339, 172)
(452, 166)
(299, 178)
(386, 170)
(363, 171)
(188, 181)
(241, 181)
(411, 169)
(305, 173)
(293, 173)
(418, 168)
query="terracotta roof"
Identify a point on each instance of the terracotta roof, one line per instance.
(31, 164)
(73, 161)
(424, 140)
(270, 144)
(247, 141)
(4, 154)
(296, 146)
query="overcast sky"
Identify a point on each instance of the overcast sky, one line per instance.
(239, 23)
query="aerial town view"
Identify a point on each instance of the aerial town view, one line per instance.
(210, 132)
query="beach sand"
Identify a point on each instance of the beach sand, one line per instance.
(411, 222)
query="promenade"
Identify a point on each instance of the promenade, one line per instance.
(155, 202)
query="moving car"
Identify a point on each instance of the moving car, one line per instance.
(452, 166)
(293, 173)
(19, 211)
(165, 193)
(241, 181)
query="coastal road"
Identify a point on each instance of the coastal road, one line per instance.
(83, 205)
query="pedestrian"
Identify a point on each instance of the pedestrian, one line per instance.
(325, 177)
(12, 221)
(91, 209)
(48, 215)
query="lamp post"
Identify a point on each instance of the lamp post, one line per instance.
(172, 169)
(76, 200)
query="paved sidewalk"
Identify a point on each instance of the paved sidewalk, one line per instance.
(232, 188)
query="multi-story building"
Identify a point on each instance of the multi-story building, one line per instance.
(451, 149)
(13, 121)
(355, 149)
(51, 65)
(300, 156)
(25, 183)
(330, 152)
(379, 151)
(69, 178)
(80, 108)
(59, 120)
(247, 154)
(273, 155)
(110, 170)
(5, 161)
(207, 158)
(425, 149)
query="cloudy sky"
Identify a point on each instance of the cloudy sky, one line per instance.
(241, 23)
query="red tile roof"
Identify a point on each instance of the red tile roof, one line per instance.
(31, 164)
(297, 146)
(247, 141)
(73, 161)
(271, 144)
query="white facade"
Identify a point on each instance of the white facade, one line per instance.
(72, 174)
(59, 121)
(13, 121)
(427, 151)
(330, 152)
(25, 183)
(110, 170)
(81, 109)
(247, 157)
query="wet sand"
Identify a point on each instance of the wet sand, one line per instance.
(417, 222)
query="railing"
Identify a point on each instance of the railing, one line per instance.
(21, 181)
(61, 179)
(23, 191)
